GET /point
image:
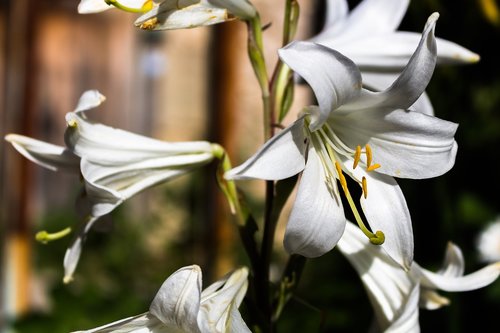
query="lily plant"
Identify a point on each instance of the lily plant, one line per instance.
(181, 306)
(368, 36)
(396, 294)
(115, 164)
(369, 136)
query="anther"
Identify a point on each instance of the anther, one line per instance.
(369, 155)
(357, 157)
(342, 180)
(378, 238)
(72, 123)
(365, 187)
(373, 167)
(45, 237)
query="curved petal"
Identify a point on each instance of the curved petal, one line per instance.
(92, 6)
(108, 145)
(164, 17)
(89, 100)
(317, 219)
(412, 81)
(406, 144)
(372, 17)
(476, 280)
(336, 10)
(454, 263)
(143, 323)
(386, 210)
(379, 81)
(74, 251)
(281, 157)
(240, 8)
(44, 154)
(177, 303)
(217, 302)
(334, 78)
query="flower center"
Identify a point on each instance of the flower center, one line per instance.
(330, 149)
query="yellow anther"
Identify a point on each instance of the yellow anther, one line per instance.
(148, 5)
(45, 237)
(373, 167)
(342, 180)
(357, 157)
(365, 187)
(149, 24)
(369, 155)
(72, 123)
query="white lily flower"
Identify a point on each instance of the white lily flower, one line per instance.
(396, 294)
(180, 306)
(327, 142)
(115, 164)
(488, 242)
(97, 6)
(367, 35)
(178, 14)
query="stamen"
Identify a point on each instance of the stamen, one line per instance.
(149, 24)
(376, 238)
(45, 237)
(357, 157)
(72, 123)
(369, 155)
(365, 187)
(373, 167)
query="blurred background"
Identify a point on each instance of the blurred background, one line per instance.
(198, 85)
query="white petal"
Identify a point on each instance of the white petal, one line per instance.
(217, 302)
(108, 145)
(386, 210)
(431, 300)
(388, 286)
(240, 8)
(73, 253)
(476, 280)
(407, 319)
(413, 80)
(279, 158)
(89, 100)
(454, 263)
(336, 10)
(44, 154)
(92, 6)
(235, 323)
(372, 17)
(177, 303)
(143, 323)
(379, 81)
(406, 144)
(164, 17)
(451, 53)
(317, 219)
(334, 78)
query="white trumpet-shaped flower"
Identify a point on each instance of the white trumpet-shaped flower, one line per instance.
(115, 164)
(181, 306)
(396, 294)
(194, 13)
(367, 35)
(371, 137)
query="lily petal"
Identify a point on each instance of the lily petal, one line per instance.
(72, 255)
(164, 17)
(454, 263)
(317, 219)
(407, 318)
(334, 78)
(375, 17)
(177, 302)
(412, 81)
(92, 6)
(386, 210)
(44, 154)
(240, 8)
(336, 11)
(406, 144)
(108, 145)
(143, 323)
(280, 157)
(476, 280)
(89, 100)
